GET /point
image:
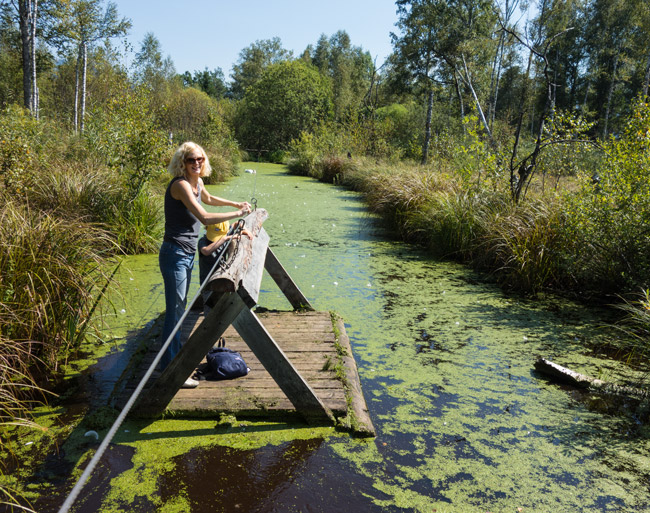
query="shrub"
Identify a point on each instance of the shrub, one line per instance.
(609, 222)
(124, 132)
(304, 155)
(21, 138)
(335, 169)
(278, 157)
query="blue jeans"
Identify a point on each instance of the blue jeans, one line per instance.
(176, 268)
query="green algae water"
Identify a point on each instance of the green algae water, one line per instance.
(464, 424)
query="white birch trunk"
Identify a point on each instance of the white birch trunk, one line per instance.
(84, 68)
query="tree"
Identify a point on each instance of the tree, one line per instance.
(289, 98)
(28, 13)
(84, 23)
(521, 170)
(150, 67)
(11, 88)
(350, 69)
(211, 83)
(252, 62)
(614, 27)
(445, 42)
(567, 58)
(506, 13)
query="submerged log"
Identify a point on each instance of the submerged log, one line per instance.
(578, 380)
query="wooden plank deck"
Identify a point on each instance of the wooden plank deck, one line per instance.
(308, 339)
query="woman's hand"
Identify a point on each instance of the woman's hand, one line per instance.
(244, 208)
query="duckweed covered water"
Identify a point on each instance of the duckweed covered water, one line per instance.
(446, 359)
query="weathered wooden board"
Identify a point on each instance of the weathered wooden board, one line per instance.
(240, 255)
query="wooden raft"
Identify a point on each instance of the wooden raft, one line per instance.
(301, 362)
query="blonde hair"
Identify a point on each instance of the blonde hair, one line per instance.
(177, 165)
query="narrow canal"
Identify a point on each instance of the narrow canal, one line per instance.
(464, 424)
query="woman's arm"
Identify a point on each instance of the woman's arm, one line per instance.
(182, 190)
(216, 201)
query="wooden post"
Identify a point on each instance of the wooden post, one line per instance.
(225, 311)
(284, 281)
(280, 368)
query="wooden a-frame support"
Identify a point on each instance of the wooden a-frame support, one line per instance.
(235, 292)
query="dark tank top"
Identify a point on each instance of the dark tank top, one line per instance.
(181, 226)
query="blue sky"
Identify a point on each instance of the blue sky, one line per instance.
(201, 33)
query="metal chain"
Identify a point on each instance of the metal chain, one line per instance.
(253, 198)
(225, 264)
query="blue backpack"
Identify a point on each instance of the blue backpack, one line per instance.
(224, 363)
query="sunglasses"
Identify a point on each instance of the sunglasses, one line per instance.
(192, 160)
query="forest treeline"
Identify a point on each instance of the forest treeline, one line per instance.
(512, 136)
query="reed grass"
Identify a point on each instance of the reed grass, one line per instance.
(523, 243)
(478, 224)
(97, 195)
(52, 270)
(636, 324)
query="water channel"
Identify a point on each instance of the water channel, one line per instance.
(464, 424)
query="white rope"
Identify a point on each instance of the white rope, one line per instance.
(74, 493)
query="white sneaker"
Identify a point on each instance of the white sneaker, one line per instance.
(190, 383)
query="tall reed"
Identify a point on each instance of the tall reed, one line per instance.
(51, 272)
(523, 244)
(476, 224)
(636, 324)
(97, 195)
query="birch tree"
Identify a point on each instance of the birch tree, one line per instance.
(28, 11)
(27, 14)
(85, 24)
(445, 42)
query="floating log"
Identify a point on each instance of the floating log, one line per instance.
(573, 378)
(359, 416)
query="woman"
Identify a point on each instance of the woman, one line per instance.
(184, 216)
